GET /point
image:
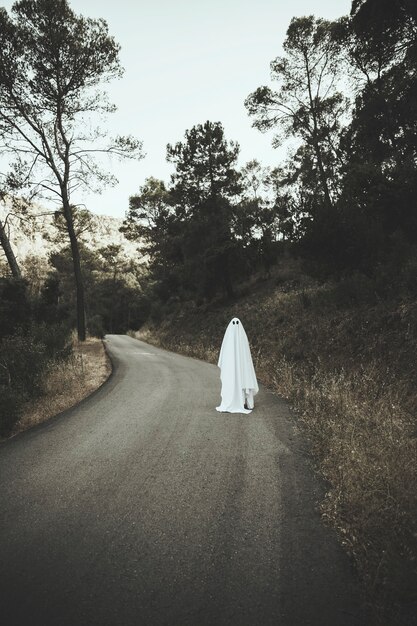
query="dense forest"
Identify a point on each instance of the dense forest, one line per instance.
(343, 205)
(344, 201)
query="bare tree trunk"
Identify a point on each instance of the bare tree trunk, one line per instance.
(11, 259)
(81, 329)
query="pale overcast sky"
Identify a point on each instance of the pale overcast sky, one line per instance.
(188, 61)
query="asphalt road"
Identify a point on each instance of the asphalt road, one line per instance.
(143, 505)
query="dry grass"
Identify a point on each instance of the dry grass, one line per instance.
(68, 382)
(346, 361)
(364, 446)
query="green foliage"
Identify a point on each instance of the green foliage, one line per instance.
(152, 220)
(54, 336)
(96, 326)
(309, 104)
(204, 182)
(53, 63)
(25, 355)
(196, 231)
(204, 166)
(28, 345)
(115, 298)
(15, 307)
(380, 177)
(51, 306)
(349, 194)
(10, 408)
(23, 359)
(256, 219)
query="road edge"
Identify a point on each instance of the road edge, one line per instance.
(61, 414)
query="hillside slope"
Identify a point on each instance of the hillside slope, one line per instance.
(346, 361)
(36, 234)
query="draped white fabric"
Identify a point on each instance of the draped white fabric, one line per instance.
(237, 374)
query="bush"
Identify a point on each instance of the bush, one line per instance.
(15, 308)
(10, 409)
(23, 359)
(96, 326)
(55, 337)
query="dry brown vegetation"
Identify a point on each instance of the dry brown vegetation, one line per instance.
(346, 360)
(68, 382)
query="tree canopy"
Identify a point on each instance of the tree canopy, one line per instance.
(347, 94)
(52, 66)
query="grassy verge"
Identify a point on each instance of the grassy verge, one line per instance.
(346, 361)
(68, 382)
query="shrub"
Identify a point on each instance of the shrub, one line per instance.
(23, 358)
(55, 337)
(15, 308)
(96, 326)
(10, 409)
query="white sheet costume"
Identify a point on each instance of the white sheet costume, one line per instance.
(237, 374)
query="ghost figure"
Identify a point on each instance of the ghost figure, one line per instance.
(237, 374)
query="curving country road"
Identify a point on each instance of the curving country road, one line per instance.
(143, 506)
